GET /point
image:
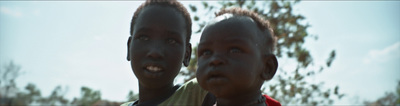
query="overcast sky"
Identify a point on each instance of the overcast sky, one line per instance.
(76, 44)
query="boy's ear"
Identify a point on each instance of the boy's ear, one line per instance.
(128, 57)
(188, 54)
(271, 65)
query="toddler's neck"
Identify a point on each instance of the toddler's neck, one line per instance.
(244, 100)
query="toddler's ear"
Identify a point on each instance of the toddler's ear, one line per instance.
(188, 55)
(271, 65)
(128, 57)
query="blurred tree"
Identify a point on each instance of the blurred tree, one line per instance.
(23, 98)
(390, 99)
(292, 87)
(132, 96)
(10, 95)
(55, 98)
(190, 71)
(88, 97)
(8, 75)
(8, 89)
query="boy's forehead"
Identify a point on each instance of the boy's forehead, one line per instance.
(159, 14)
(157, 8)
(160, 18)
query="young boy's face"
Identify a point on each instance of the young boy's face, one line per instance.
(229, 58)
(158, 46)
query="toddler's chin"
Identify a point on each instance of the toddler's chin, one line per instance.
(218, 92)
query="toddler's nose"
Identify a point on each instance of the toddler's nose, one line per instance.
(217, 60)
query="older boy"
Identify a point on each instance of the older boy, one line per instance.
(235, 57)
(157, 47)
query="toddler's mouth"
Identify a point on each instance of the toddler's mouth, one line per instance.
(216, 79)
(215, 76)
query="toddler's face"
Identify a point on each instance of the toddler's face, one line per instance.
(229, 59)
(157, 45)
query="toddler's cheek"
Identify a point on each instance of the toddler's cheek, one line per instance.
(202, 81)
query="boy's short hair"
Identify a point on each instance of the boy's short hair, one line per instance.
(262, 24)
(171, 3)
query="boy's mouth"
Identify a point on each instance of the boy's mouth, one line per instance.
(153, 68)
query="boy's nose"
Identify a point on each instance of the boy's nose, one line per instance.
(155, 53)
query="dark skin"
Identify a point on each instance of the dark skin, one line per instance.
(233, 62)
(157, 49)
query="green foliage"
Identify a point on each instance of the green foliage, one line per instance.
(88, 97)
(8, 90)
(289, 28)
(190, 71)
(192, 8)
(8, 75)
(56, 97)
(11, 95)
(331, 58)
(132, 96)
(27, 98)
(390, 99)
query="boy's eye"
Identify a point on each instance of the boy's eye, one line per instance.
(235, 50)
(171, 41)
(143, 38)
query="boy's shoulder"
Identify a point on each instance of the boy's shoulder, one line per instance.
(189, 93)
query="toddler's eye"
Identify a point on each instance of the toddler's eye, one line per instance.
(205, 53)
(171, 41)
(235, 50)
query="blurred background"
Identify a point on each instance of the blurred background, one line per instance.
(74, 52)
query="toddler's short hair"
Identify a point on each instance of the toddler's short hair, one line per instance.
(262, 24)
